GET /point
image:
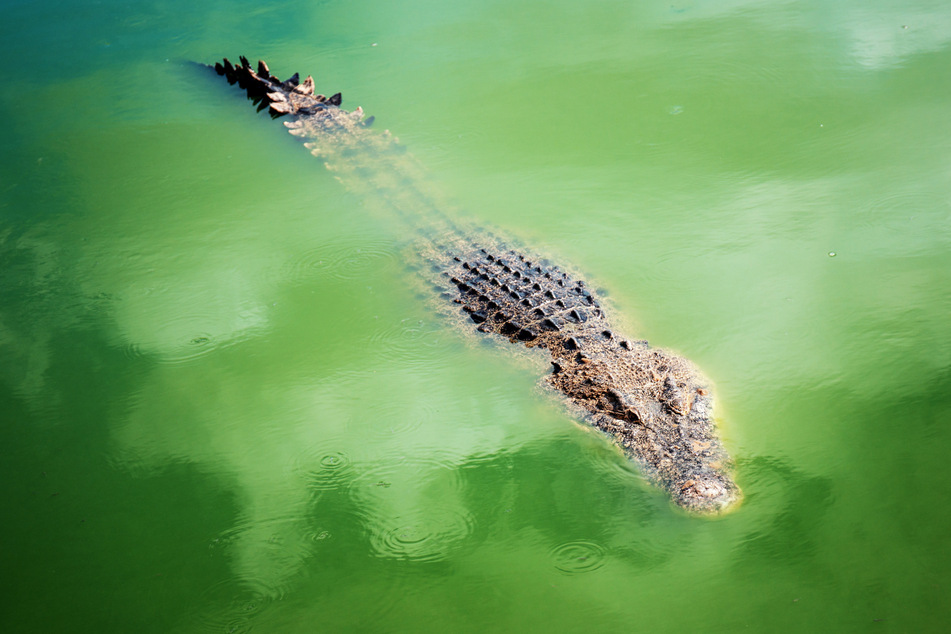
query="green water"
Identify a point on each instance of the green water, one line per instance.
(224, 408)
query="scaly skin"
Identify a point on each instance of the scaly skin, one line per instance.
(655, 405)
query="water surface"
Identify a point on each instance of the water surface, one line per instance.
(226, 408)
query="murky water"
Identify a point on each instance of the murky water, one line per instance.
(226, 408)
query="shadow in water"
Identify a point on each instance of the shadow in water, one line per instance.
(788, 507)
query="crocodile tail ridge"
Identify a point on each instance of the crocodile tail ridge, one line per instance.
(291, 97)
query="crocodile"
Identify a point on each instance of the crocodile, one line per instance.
(655, 405)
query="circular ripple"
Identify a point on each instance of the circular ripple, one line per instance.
(319, 536)
(893, 211)
(191, 349)
(424, 536)
(578, 557)
(132, 350)
(399, 473)
(353, 263)
(265, 553)
(333, 460)
(406, 417)
(226, 607)
(340, 261)
(407, 339)
(332, 471)
(184, 350)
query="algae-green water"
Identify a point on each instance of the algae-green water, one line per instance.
(225, 405)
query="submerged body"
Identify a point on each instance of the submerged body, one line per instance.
(656, 406)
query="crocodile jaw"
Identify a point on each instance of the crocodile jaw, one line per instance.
(710, 494)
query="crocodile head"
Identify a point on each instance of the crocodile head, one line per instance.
(707, 493)
(659, 409)
(699, 479)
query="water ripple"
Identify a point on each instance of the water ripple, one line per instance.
(132, 350)
(333, 471)
(408, 339)
(424, 535)
(228, 608)
(265, 551)
(186, 349)
(416, 473)
(577, 557)
(411, 507)
(344, 262)
(612, 465)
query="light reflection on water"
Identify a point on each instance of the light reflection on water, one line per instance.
(210, 348)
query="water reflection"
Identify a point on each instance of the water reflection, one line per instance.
(344, 260)
(885, 36)
(328, 477)
(790, 507)
(324, 453)
(367, 454)
(286, 447)
(312, 473)
(333, 471)
(226, 609)
(431, 533)
(876, 34)
(40, 301)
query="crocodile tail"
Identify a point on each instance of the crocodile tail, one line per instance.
(289, 97)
